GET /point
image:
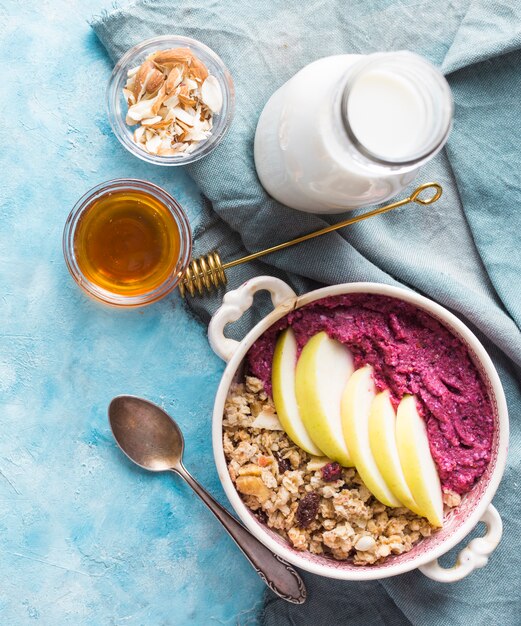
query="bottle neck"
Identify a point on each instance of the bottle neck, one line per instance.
(396, 109)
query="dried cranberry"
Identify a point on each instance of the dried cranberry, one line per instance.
(261, 516)
(307, 509)
(331, 472)
(284, 465)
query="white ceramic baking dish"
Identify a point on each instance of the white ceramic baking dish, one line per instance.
(476, 505)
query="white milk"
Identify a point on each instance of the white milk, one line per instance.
(387, 115)
(348, 130)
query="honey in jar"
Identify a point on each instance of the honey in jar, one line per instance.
(127, 242)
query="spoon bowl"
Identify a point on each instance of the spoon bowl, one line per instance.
(146, 434)
(152, 439)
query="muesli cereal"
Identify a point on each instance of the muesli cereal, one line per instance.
(311, 501)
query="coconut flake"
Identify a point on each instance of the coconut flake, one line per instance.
(150, 121)
(129, 97)
(142, 109)
(171, 101)
(316, 463)
(183, 116)
(152, 145)
(196, 135)
(165, 143)
(191, 84)
(211, 94)
(267, 420)
(138, 134)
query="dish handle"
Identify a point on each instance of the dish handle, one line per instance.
(236, 303)
(474, 556)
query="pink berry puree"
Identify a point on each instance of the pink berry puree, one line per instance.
(411, 353)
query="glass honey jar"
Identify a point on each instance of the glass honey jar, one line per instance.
(127, 243)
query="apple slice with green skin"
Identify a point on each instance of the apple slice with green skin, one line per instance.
(416, 460)
(323, 370)
(382, 438)
(356, 405)
(284, 398)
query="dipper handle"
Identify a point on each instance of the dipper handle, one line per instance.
(208, 272)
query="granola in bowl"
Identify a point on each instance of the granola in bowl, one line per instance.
(315, 504)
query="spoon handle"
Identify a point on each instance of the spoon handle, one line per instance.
(280, 577)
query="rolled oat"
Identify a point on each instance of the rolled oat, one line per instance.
(275, 478)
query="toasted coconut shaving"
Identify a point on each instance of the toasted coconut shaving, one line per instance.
(211, 94)
(151, 121)
(172, 98)
(184, 97)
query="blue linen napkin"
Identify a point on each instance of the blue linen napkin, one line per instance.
(464, 251)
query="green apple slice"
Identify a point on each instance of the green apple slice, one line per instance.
(323, 370)
(382, 438)
(284, 398)
(417, 463)
(356, 404)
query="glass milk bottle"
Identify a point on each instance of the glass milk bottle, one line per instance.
(349, 130)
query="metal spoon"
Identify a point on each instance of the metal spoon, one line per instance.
(152, 439)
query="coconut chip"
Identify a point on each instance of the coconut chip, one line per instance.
(171, 99)
(211, 94)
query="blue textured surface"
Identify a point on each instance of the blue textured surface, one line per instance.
(84, 537)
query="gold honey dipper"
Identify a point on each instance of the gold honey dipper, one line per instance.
(208, 272)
